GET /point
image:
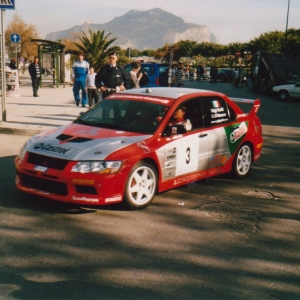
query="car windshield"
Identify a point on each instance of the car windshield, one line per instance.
(127, 115)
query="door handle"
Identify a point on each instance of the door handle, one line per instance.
(202, 135)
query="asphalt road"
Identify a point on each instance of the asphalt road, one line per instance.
(214, 239)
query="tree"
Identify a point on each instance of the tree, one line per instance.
(164, 53)
(147, 52)
(96, 48)
(26, 48)
(184, 49)
(292, 41)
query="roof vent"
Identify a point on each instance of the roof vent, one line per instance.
(148, 91)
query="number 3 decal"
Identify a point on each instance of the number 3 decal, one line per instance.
(187, 149)
(188, 158)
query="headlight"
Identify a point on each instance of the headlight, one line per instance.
(29, 142)
(99, 167)
(23, 151)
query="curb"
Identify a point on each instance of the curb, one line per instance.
(18, 129)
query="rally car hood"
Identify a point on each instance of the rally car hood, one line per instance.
(81, 142)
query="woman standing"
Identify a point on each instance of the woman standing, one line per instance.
(135, 74)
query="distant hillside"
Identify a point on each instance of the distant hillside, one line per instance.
(144, 30)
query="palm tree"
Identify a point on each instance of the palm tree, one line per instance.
(96, 47)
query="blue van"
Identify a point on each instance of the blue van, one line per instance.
(157, 73)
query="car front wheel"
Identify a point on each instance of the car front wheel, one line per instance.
(283, 95)
(242, 161)
(141, 186)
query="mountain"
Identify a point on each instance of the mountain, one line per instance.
(143, 30)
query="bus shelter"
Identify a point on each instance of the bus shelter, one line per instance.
(52, 58)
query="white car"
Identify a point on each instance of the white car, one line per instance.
(287, 91)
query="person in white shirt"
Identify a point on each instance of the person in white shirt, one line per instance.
(135, 74)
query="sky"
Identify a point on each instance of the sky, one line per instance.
(231, 21)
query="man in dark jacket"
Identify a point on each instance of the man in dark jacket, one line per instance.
(112, 77)
(35, 74)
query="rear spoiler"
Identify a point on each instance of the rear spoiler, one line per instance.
(254, 110)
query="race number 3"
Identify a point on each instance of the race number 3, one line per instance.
(187, 155)
(188, 158)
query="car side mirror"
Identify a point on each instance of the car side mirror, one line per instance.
(174, 129)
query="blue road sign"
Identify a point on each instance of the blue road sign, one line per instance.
(15, 38)
(7, 4)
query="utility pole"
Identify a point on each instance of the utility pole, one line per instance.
(287, 22)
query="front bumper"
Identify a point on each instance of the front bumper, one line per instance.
(66, 186)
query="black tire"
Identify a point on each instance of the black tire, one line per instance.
(283, 95)
(242, 161)
(141, 186)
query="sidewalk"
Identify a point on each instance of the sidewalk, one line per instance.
(28, 115)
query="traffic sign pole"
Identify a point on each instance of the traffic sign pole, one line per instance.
(3, 88)
(7, 4)
(15, 38)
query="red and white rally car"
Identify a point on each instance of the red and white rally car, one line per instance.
(126, 149)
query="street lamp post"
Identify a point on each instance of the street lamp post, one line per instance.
(287, 22)
(129, 49)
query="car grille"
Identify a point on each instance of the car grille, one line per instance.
(44, 185)
(46, 161)
(85, 189)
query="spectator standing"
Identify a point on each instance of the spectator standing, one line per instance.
(216, 74)
(187, 72)
(35, 74)
(80, 70)
(242, 77)
(112, 77)
(200, 73)
(135, 74)
(236, 78)
(174, 68)
(250, 80)
(91, 87)
(178, 75)
(213, 74)
(184, 70)
(12, 66)
(192, 70)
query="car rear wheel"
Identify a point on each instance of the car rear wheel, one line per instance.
(283, 95)
(242, 161)
(141, 186)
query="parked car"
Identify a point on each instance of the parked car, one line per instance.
(225, 74)
(287, 91)
(156, 72)
(126, 148)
